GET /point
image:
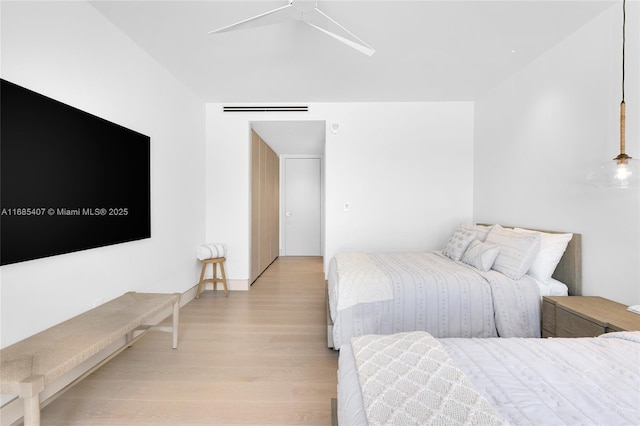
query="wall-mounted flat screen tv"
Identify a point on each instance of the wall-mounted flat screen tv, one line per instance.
(70, 181)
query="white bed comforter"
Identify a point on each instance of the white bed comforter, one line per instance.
(432, 293)
(561, 381)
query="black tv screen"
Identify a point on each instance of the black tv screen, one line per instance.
(70, 181)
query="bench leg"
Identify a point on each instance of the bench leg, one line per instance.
(224, 280)
(176, 321)
(32, 411)
(30, 390)
(202, 280)
(129, 338)
(175, 316)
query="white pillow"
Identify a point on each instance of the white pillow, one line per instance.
(458, 243)
(481, 255)
(518, 250)
(480, 230)
(552, 247)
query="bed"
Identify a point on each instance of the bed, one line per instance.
(450, 293)
(413, 378)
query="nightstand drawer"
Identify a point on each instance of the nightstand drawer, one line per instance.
(548, 319)
(569, 324)
(585, 316)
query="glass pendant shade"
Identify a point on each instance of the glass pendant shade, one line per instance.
(617, 174)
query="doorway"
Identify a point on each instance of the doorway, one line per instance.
(302, 190)
(301, 143)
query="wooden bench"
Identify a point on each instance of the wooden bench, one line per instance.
(31, 364)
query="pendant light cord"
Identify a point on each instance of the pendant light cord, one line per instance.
(624, 23)
(622, 158)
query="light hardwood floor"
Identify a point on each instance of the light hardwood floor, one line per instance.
(254, 358)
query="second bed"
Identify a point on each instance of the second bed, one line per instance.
(452, 294)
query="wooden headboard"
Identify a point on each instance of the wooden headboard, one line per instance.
(569, 270)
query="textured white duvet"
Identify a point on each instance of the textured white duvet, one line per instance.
(584, 381)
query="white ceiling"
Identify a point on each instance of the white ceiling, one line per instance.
(425, 50)
(292, 137)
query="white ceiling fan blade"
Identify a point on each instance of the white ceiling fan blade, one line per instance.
(319, 20)
(275, 16)
(356, 45)
(305, 11)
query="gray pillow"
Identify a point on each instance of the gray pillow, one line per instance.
(458, 243)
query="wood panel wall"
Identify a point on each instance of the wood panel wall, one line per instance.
(265, 205)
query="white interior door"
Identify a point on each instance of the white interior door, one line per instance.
(302, 207)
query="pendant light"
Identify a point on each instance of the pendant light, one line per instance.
(623, 171)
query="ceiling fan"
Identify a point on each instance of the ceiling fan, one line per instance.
(308, 13)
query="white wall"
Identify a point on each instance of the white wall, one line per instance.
(404, 168)
(68, 51)
(538, 134)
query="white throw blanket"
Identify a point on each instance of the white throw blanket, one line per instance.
(211, 251)
(360, 281)
(408, 379)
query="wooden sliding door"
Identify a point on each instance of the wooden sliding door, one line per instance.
(265, 205)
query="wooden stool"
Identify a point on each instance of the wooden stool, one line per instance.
(215, 280)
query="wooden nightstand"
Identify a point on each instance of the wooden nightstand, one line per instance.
(583, 316)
